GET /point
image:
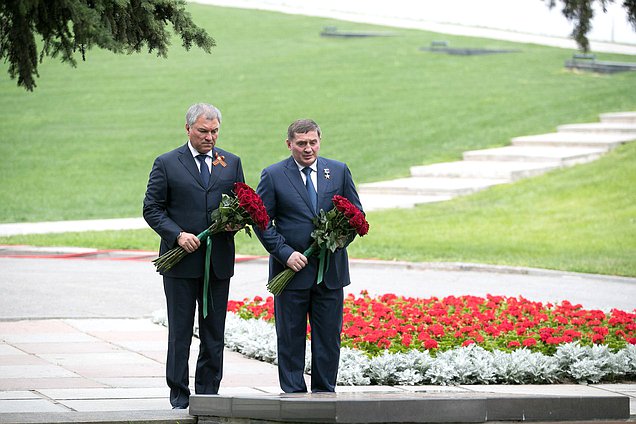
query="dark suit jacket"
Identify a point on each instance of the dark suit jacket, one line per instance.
(176, 201)
(287, 203)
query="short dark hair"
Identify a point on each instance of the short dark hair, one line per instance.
(302, 126)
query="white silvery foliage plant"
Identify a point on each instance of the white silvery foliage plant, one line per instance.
(353, 368)
(472, 364)
(419, 362)
(406, 369)
(307, 357)
(160, 317)
(384, 368)
(591, 363)
(523, 366)
(254, 338)
(627, 358)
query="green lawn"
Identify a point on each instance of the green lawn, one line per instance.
(81, 146)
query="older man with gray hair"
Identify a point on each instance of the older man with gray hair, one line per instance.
(184, 187)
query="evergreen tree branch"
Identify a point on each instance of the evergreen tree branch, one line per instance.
(68, 27)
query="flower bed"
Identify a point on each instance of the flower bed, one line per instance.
(460, 340)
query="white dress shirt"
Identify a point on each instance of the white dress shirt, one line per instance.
(314, 173)
(195, 153)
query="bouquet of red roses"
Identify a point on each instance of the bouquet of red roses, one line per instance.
(244, 208)
(334, 229)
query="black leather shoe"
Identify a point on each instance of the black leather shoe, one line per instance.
(180, 407)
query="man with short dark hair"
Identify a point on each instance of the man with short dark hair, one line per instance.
(293, 191)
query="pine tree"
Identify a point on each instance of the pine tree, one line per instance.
(581, 12)
(70, 27)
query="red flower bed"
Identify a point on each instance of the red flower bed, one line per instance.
(504, 323)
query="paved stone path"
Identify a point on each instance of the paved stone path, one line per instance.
(77, 342)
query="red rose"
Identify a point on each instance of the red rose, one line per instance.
(359, 223)
(252, 203)
(341, 203)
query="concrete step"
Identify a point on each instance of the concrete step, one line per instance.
(378, 201)
(599, 127)
(621, 117)
(429, 186)
(426, 406)
(606, 141)
(502, 170)
(563, 155)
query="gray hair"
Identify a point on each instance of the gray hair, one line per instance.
(302, 126)
(195, 111)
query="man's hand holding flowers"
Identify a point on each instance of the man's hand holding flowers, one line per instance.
(233, 214)
(333, 230)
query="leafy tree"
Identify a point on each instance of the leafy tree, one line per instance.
(581, 13)
(68, 27)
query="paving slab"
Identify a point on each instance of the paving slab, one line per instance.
(134, 404)
(6, 350)
(29, 405)
(101, 417)
(541, 389)
(149, 382)
(105, 393)
(34, 371)
(37, 383)
(18, 394)
(60, 347)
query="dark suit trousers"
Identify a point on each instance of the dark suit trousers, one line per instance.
(182, 295)
(324, 308)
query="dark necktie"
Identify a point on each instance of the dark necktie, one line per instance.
(311, 191)
(204, 170)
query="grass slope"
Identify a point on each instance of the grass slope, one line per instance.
(578, 219)
(82, 144)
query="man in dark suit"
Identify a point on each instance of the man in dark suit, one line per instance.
(287, 188)
(184, 187)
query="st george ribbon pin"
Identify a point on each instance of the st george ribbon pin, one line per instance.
(219, 159)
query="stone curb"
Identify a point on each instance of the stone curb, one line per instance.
(86, 253)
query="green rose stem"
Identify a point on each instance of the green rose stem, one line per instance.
(277, 284)
(173, 256)
(243, 209)
(332, 231)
